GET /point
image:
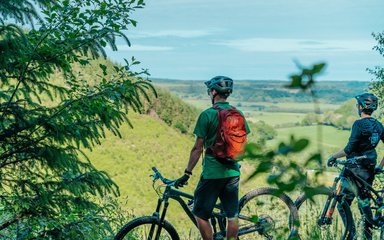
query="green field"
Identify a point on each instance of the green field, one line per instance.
(285, 107)
(332, 139)
(276, 119)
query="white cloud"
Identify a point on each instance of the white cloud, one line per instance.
(297, 45)
(138, 47)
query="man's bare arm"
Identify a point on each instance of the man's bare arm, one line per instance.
(195, 154)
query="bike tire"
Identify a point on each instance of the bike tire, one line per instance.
(312, 209)
(382, 233)
(131, 231)
(274, 201)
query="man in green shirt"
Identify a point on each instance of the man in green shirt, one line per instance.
(217, 180)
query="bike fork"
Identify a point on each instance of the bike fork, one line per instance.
(330, 205)
(160, 221)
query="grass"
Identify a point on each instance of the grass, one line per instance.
(332, 139)
(276, 119)
(128, 160)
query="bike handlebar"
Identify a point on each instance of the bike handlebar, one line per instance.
(353, 160)
(158, 175)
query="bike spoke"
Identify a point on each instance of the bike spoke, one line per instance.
(147, 232)
(268, 218)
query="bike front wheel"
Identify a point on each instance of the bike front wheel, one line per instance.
(147, 228)
(310, 207)
(265, 214)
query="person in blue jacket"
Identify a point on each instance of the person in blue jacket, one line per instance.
(365, 135)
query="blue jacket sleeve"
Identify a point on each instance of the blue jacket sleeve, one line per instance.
(353, 139)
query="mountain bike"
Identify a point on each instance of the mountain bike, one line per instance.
(264, 214)
(328, 211)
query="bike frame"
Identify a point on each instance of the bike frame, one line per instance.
(171, 193)
(218, 217)
(329, 207)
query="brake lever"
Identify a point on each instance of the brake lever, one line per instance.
(155, 177)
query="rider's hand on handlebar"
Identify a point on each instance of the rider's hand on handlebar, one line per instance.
(378, 170)
(331, 161)
(182, 181)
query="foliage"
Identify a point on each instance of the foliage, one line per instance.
(173, 111)
(343, 117)
(46, 190)
(310, 119)
(261, 132)
(377, 86)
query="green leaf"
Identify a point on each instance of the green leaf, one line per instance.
(317, 68)
(104, 68)
(300, 145)
(296, 82)
(134, 23)
(103, 43)
(254, 219)
(317, 158)
(284, 149)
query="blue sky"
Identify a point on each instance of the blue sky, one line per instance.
(244, 39)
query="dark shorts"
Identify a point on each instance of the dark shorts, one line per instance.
(209, 190)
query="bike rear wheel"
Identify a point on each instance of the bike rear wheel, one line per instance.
(310, 210)
(146, 228)
(382, 233)
(265, 214)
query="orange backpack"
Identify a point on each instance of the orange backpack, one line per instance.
(231, 136)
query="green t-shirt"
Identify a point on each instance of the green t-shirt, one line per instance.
(206, 128)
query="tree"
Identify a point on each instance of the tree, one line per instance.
(377, 86)
(48, 111)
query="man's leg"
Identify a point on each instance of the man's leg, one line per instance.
(205, 197)
(232, 229)
(229, 198)
(364, 200)
(204, 228)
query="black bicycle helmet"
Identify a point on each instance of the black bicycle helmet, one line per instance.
(367, 101)
(223, 85)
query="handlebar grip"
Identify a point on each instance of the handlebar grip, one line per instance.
(155, 170)
(158, 175)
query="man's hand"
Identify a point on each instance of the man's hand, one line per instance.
(182, 181)
(331, 161)
(378, 170)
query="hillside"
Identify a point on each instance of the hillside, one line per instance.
(128, 160)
